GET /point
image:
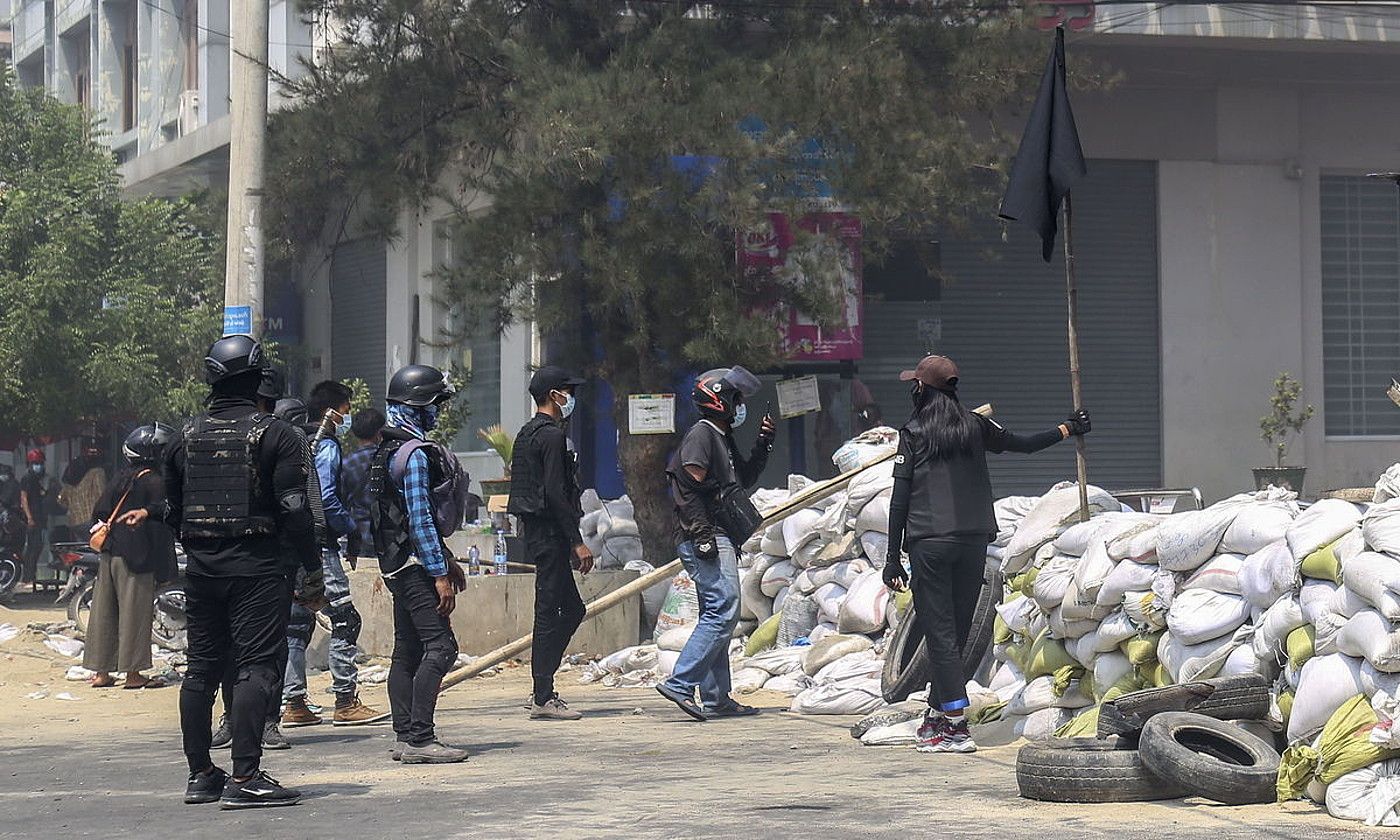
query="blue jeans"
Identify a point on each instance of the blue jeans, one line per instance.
(704, 663)
(345, 634)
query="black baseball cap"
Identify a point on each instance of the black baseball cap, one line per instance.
(552, 378)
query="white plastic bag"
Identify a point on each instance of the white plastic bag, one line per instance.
(1258, 525)
(1272, 629)
(681, 608)
(1200, 661)
(1052, 581)
(875, 516)
(850, 697)
(1369, 636)
(1094, 569)
(1381, 527)
(1198, 615)
(1325, 683)
(1052, 514)
(1186, 540)
(866, 602)
(1125, 577)
(1370, 795)
(1374, 576)
(1268, 574)
(1323, 523)
(1219, 574)
(777, 576)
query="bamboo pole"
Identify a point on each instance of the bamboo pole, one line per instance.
(801, 501)
(1072, 299)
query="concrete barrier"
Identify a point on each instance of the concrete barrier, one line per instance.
(493, 610)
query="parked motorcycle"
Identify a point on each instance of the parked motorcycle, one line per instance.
(9, 570)
(81, 562)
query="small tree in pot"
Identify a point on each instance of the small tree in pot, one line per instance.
(504, 445)
(1275, 428)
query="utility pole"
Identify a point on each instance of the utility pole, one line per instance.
(243, 267)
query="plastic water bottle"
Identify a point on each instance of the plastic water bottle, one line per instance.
(500, 554)
(473, 561)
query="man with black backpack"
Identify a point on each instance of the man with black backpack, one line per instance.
(708, 479)
(417, 492)
(544, 494)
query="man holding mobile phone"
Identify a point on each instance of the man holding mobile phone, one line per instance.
(706, 472)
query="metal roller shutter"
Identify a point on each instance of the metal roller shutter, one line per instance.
(1002, 317)
(358, 293)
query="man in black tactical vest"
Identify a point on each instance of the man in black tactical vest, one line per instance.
(418, 571)
(544, 494)
(236, 482)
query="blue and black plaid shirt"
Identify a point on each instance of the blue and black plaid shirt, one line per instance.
(422, 530)
(354, 484)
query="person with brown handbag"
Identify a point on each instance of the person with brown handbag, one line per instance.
(133, 545)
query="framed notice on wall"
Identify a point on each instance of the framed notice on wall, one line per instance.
(651, 414)
(799, 396)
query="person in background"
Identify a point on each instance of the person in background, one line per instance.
(138, 554)
(34, 502)
(234, 531)
(367, 428)
(84, 480)
(12, 526)
(707, 468)
(328, 413)
(418, 571)
(544, 494)
(941, 512)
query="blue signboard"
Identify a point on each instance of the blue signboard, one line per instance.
(238, 320)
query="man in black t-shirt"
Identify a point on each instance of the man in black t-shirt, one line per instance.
(34, 501)
(708, 466)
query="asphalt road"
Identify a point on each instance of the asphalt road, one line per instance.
(634, 768)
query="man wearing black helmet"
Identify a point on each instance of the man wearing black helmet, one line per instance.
(420, 574)
(544, 494)
(235, 483)
(708, 479)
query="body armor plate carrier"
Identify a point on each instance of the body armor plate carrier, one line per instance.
(223, 492)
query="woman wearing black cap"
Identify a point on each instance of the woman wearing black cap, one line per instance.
(941, 511)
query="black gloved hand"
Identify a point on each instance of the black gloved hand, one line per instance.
(706, 547)
(1078, 423)
(311, 589)
(896, 577)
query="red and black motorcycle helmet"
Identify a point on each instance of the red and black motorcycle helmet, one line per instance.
(718, 393)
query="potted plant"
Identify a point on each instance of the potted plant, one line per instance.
(1275, 427)
(501, 442)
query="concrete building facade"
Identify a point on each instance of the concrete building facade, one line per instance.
(1227, 233)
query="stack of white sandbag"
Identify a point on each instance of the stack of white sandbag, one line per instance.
(1129, 600)
(610, 531)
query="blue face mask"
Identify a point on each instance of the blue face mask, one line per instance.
(343, 426)
(37, 469)
(740, 415)
(568, 407)
(429, 415)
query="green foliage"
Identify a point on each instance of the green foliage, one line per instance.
(1282, 420)
(549, 129)
(500, 442)
(106, 307)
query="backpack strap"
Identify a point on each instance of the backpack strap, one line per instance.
(398, 464)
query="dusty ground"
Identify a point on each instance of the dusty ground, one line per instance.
(108, 764)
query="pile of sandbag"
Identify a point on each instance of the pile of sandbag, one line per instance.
(610, 531)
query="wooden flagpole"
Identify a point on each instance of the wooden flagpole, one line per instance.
(1072, 298)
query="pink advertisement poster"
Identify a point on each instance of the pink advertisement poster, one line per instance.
(777, 256)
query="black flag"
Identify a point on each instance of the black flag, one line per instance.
(1050, 161)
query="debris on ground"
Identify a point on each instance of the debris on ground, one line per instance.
(64, 645)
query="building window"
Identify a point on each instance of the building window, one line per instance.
(1360, 304)
(189, 34)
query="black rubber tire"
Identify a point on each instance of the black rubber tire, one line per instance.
(1210, 758)
(9, 574)
(1088, 770)
(907, 667)
(80, 607)
(1224, 698)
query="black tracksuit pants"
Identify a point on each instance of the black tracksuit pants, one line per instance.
(559, 609)
(947, 581)
(424, 650)
(242, 620)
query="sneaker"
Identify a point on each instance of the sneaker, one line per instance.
(951, 738)
(297, 714)
(351, 712)
(432, 753)
(273, 739)
(931, 730)
(396, 751)
(223, 736)
(553, 709)
(261, 791)
(205, 787)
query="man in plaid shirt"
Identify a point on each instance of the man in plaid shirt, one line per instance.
(367, 427)
(420, 574)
